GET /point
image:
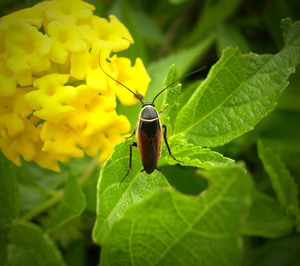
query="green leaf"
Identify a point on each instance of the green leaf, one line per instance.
(72, 204)
(188, 91)
(3, 245)
(174, 229)
(279, 252)
(291, 96)
(37, 185)
(290, 31)
(275, 132)
(193, 155)
(89, 189)
(9, 192)
(238, 92)
(266, 219)
(150, 31)
(282, 181)
(115, 198)
(88, 173)
(30, 246)
(229, 36)
(213, 14)
(170, 103)
(184, 60)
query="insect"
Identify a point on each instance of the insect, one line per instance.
(149, 132)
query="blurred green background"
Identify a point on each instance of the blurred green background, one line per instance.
(161, 30)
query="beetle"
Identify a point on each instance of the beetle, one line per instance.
(149, 131)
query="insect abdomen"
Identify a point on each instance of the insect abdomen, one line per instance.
(149, 138)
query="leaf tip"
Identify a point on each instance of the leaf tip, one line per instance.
(285, 26)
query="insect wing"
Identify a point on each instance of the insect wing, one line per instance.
(149, 138)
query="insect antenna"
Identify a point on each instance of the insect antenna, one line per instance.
(187, 75)
(137, 95)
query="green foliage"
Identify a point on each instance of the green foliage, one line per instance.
(154, 229)
(196, 156)
(158, 71)
(183, 60)
(229, 36)
(282, 181)
(21, 242)
(170, 105)
(238, 92)
(266, 219)
(70, 206)
(9, 203)
(114, 199)
(207, 208)
(9, 193)
(30, 246)
(219, 10)
(171, 229)
(283, 251)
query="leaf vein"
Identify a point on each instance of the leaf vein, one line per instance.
(228, 97)
(201, 214)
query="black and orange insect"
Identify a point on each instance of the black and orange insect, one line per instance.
(149, 132)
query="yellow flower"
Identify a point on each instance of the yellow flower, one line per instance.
(114, 33)
(52, 99)
(26, 48)
(66, 39)
(135, 78)
(14, 111)
(8, 81)
(56, 103)
(22, 144)
(66, 11)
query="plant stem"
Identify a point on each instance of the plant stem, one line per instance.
(58, 195)
(44, 206)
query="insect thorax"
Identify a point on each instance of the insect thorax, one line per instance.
(149, 113)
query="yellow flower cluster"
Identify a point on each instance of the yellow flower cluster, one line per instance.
(55, 101)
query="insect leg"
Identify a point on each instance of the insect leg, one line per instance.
(131, 135)
(130, 160)
(166, 141)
